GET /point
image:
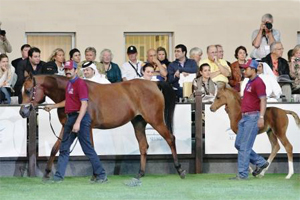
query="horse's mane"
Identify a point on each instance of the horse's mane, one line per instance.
(235, 94)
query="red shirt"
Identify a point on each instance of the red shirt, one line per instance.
(76, 92)
(254, 90)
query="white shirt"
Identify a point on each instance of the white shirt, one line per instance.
(129, 73)
(99, 78)
(264, 49)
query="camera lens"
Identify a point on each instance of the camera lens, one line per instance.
(269, 25)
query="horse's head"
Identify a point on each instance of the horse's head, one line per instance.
(222, 98)
(32, 94)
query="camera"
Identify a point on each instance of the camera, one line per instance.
(2, 32)
(269, 25)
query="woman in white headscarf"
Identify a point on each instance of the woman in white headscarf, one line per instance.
(91, 73)
(273, 89)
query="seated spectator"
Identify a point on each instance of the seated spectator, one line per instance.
(32, 64)
(273, 89)
(280, 67)
(7, 76)
(91, 73)
(56, 63)
(75, 55)
(295, 69)
(236, 70)
(196, 54)
(90, 56)
(133, 68)
(203, 83)
(112, 70)
(220, 53)
(182, 65)
(148, 72)
(162, 56)
(220, 71)
(5, 46)
(24, 52)
(160, 71)
(264, 37)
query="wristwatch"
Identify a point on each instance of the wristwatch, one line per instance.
(261, 116)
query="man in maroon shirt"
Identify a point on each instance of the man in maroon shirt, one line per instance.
(78, 125)
(253, 110)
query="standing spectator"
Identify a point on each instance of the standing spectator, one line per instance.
(220, 53)
(264, 37)
(196, 54)
(280, 68)
(56, 63)
(160, 71)
(78, 125)
(75, 55)
(162, 56)
(112, 70)
(295, 69)
(24, 52)
(220, 71)
(253, 111)
(32, 64)
(90, 55)
(236, 69)
(133, 68)
(5, 46)
(6, 78)
(182, 65)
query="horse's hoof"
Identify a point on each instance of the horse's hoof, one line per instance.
(134, 182)
(288, 176)
(45, 179)
(182, 174)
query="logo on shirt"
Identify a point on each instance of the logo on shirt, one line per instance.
(248, 88)
(71, 91)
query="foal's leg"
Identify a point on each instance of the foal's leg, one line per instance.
(289, 150)
(170, 138)
(54, 151)
(275, 148)
(139, 125)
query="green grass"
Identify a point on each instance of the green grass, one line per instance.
(200, 186)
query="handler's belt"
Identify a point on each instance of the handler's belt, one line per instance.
(251, 113)
(73, 113)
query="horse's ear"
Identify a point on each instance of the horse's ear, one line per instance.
(222, 87)
(27, 75)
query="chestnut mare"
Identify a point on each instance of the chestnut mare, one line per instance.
(276, 123)
(110, 106)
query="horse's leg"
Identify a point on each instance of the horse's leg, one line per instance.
(54, 151)
(139, 125)
(170, 138)
(289, 150)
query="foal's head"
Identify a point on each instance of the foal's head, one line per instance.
(32, 94)
(225, 96)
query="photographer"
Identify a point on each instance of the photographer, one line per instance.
(264, 37)
(5, 46)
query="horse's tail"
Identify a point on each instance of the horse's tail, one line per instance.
(170, 100)
(296, 117)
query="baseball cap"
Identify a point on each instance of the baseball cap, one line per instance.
(70, 64)
(250, 63)
(131, 50)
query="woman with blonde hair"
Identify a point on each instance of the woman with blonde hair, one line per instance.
(6, 78)
(56, 63)
(112, 70)
(295, 69)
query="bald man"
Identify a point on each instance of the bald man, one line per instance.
(160, 70)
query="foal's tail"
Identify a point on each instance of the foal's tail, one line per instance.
(170, 100)
(296, 117)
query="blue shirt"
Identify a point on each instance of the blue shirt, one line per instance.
(189, 66)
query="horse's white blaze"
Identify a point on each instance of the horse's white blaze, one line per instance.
(23, 89)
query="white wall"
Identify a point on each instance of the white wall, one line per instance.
(195, 23)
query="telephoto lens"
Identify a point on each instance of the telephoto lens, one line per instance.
(269, 25)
